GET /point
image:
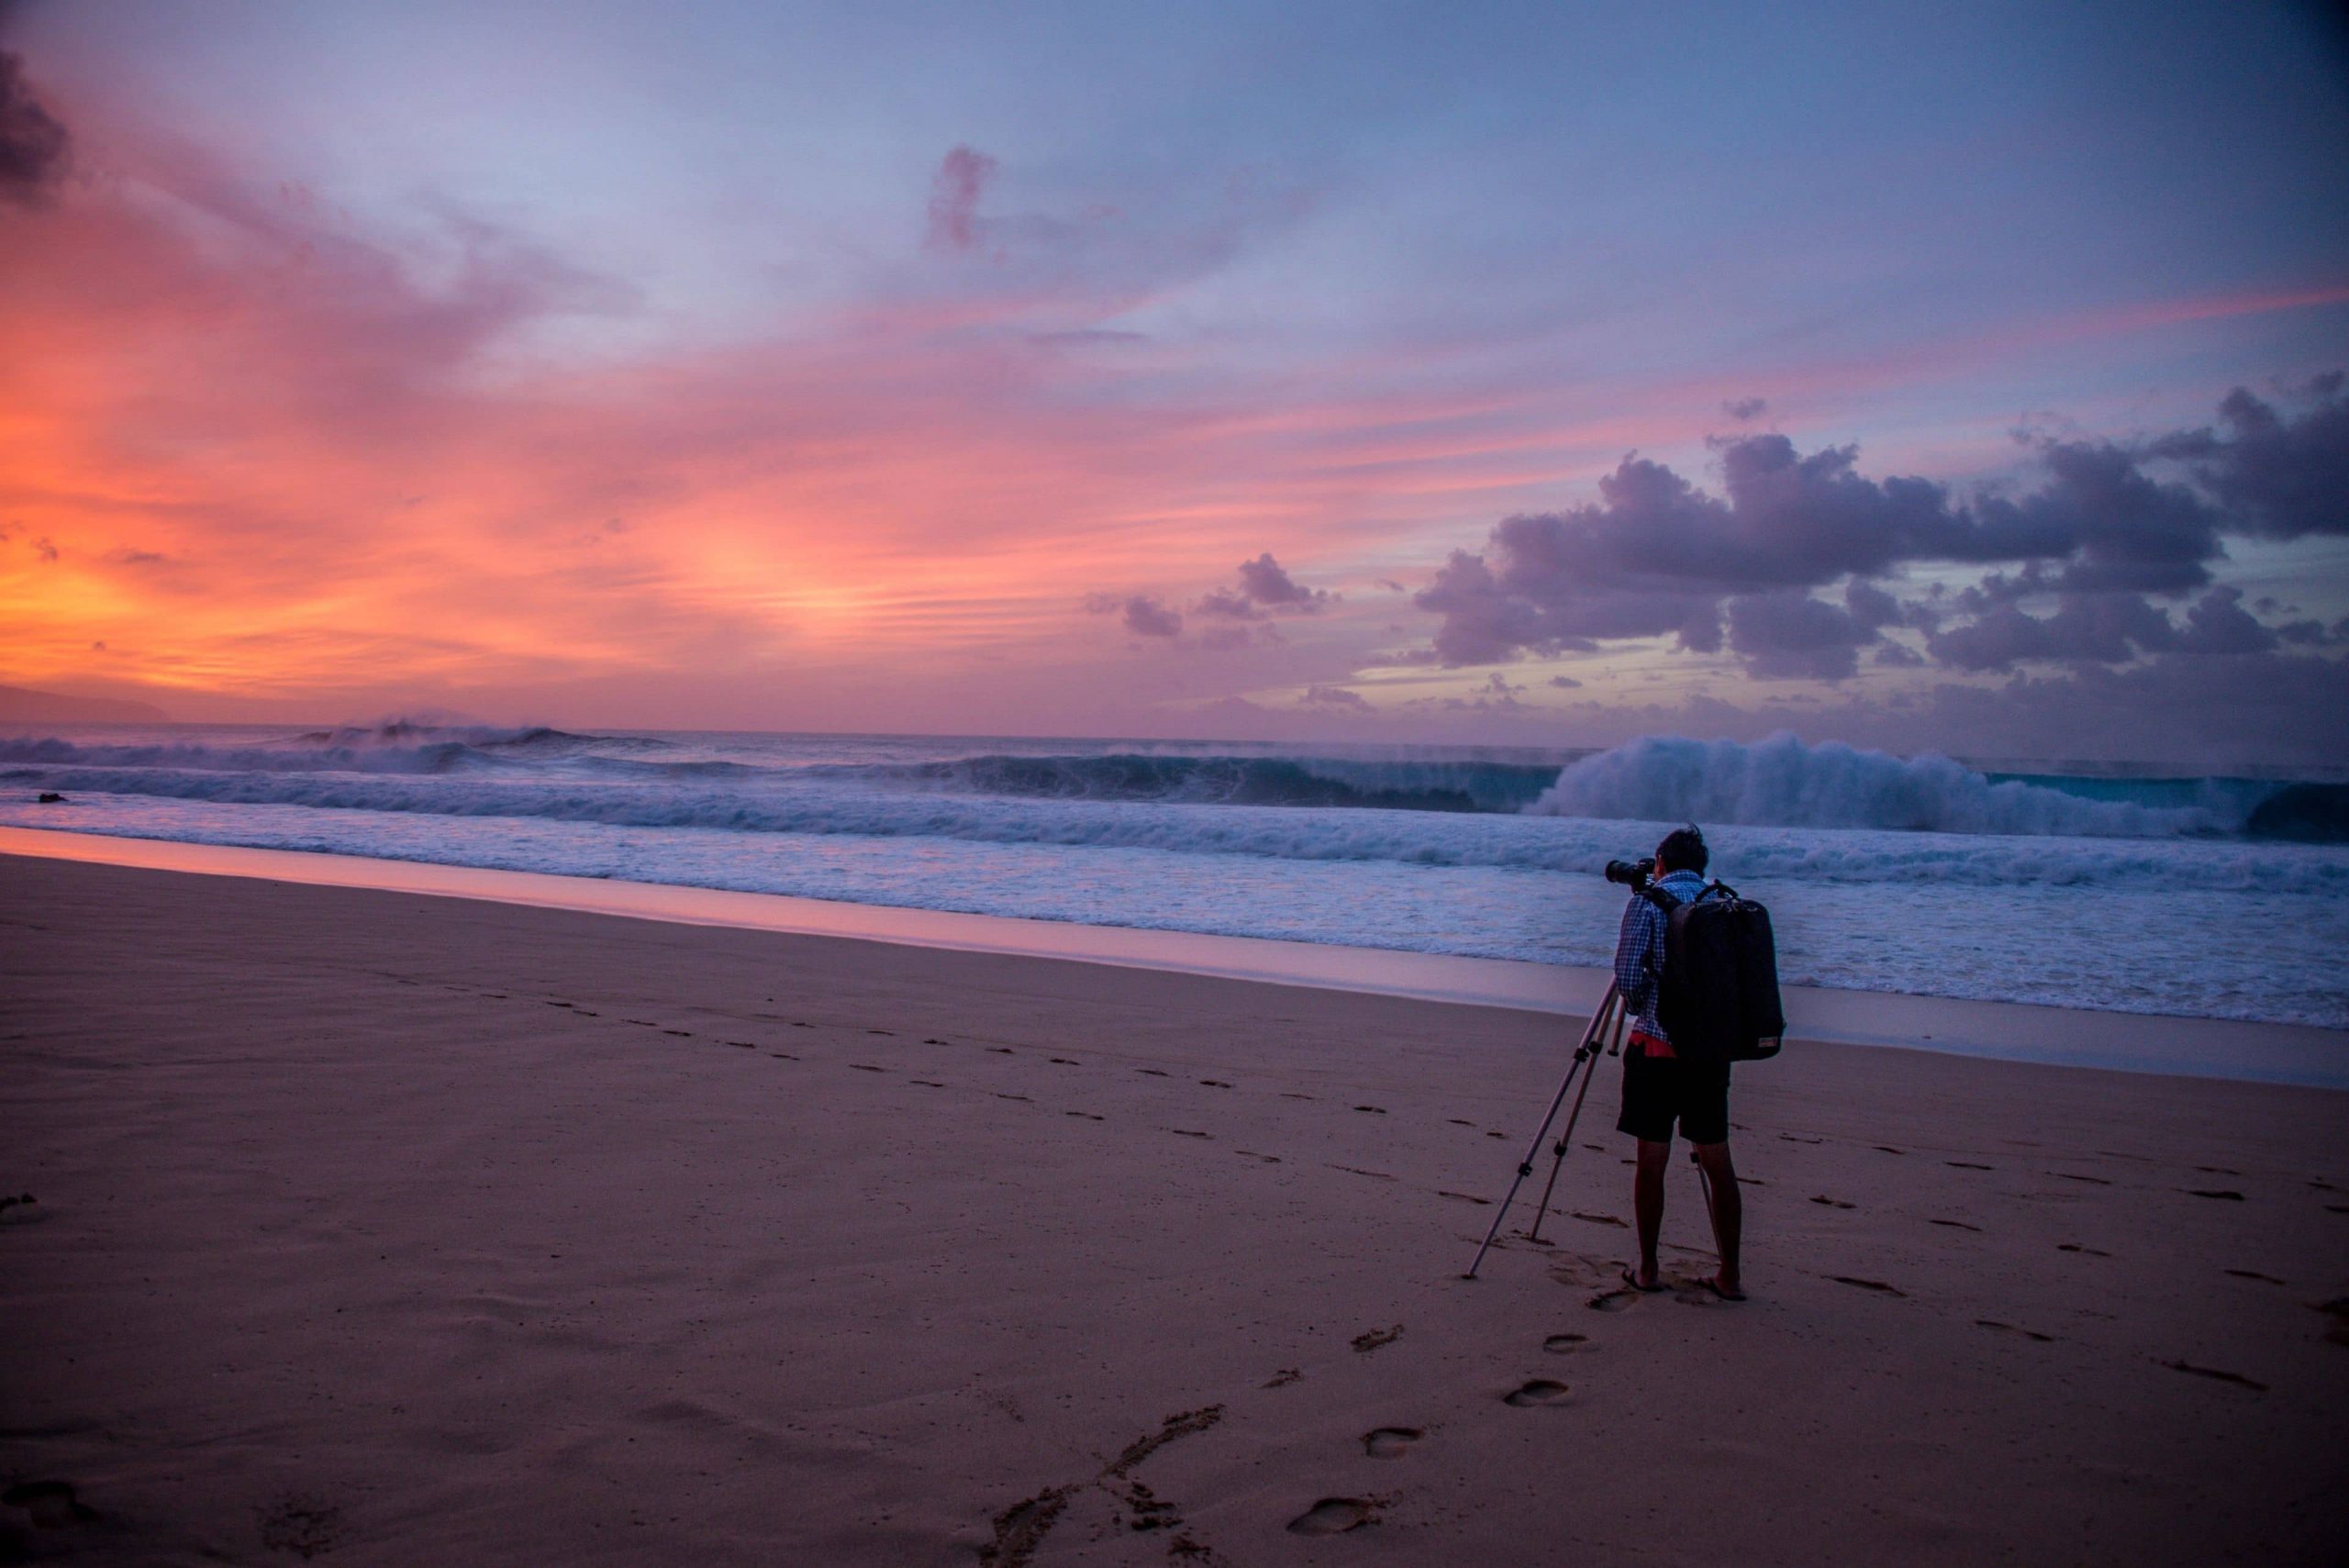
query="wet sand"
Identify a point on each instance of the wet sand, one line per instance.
(379, 1228)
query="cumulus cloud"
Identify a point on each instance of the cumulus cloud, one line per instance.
(1263, 588)
(2278, 477)
(955, 191)
(1264, 581)
(1336, 697)
(1142, 614)
(1744, 408)
(2103, 528)
(33, 145)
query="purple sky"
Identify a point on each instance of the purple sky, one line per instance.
(1514, 372)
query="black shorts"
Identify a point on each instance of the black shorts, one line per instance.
(1659, 1090)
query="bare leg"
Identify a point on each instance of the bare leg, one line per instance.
(1729, 1211)
(1647, 1203)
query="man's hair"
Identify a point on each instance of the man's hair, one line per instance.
(1683, 849)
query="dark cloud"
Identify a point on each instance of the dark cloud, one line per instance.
(1141, 613)
(1744, 408)
(2278, 476)
(33, 145)
(1264, 587)
(1264, 581)
(1228, 605)
(1335, 696)
(2103, 629)
(2103, 527)
(1566, 683)
(1796, 636)
(954, 194)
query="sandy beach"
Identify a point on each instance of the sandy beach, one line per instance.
(377, 1227)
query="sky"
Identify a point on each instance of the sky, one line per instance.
(1932, 377)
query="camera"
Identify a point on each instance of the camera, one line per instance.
(1633, 874)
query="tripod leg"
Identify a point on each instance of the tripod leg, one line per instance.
(1566, 1138)
(1525, 1166)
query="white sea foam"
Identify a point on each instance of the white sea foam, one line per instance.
(1888, 874)
(1782, 782)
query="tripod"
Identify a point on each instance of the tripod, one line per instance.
(1606, 1027)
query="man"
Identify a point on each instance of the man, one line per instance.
(1660, 1088)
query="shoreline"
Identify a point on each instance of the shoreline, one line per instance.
(445, 1229)
(2221, 1049)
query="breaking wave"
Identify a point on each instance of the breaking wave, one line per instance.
(1781, 783)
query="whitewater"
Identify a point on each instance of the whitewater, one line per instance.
(2129, 890)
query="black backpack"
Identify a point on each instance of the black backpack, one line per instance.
(1717, 997)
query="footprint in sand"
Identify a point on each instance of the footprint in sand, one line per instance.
(1366, 1342)
(865, 1067)
(1002, 1051)
(1957, 1225)
(1613, 1300)
(1088, 1116)
(51, 1503)
(1535, 1392)
(926, 1082)
(681, 1034)
(2338, 1310)
(1214, 1084)
(1022, 1098)
(1966, 1165)
(1187, 1132)
(1267, 1159)
(2217, 1171)
(2083, 1251)
(1565, 1344)
(1390, 1442)
(2010, 1329)
(1790, 1138)
(1283, 1378)
(1465, 1197)
(1596, 1219)
(1875, 1284)
(2217, 1193)
(1375, 1110)
(1293, 1095)
(2092, 1181)
(2238, 1379)
(2255, 1275)
(1066, 1061)
(1150, 1071)
(1833, 1202)
(891, 1033)
(1457, 1122)
(742, 1044)
(783, 1056)
(1889, 1149)
(1333, 1516)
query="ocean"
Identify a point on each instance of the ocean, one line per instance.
(2128, 890)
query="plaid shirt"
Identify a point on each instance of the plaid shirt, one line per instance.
(1639, 953)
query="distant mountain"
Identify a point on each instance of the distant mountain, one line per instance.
(19, 705)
